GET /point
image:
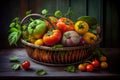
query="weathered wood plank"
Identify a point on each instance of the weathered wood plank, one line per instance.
(79, 8)
(94, 9)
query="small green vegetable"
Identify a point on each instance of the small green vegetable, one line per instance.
(58, 13)
(44, 11)
(28, 12)
(14, 59)
(41, 72)
(16, 66)
(70, 68)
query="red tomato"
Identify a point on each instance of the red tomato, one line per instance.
(26, 65)
(65, 24)
(95, 63)
(52, 37)
(53, 20)
(89, 67)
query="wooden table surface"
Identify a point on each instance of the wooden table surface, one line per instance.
(6, 72)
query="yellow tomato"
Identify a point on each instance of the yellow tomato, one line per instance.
(39, 42)
(81, 67)
(103, 58)
(81, 27)
(104, 65)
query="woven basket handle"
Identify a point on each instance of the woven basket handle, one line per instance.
(37, 15)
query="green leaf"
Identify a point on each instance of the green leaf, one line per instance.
(54, 19)
(16, 66)
(13, 29)
(28, 12)
(14, 59)
(31, 19)
(57, 46)
(16, 19)
(69, 12)
(12, 24)
(58, 13)
(93, 31)
(44, 11)
(18, 26)
(14, 37)
(70, 68)
(99, 52)
(102, 52)
(24, 27)
(41, 72)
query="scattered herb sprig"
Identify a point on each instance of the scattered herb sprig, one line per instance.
(41, 72)
(70, 68)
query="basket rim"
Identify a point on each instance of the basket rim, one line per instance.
(59, 49)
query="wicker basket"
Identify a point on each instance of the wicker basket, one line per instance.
(57, 56)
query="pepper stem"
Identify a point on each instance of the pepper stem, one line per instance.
(80, 26)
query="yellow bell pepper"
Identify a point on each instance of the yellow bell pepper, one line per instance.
(90, 38)
(81, 27)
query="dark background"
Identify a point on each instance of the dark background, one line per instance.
(106, 12)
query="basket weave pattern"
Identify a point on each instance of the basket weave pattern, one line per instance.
(59, 56)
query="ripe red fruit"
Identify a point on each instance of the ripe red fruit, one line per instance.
(81, 67)
(89, 67)
(25, 65)
(95, 63)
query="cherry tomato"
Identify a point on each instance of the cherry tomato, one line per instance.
(103, 58)
(81, 67)
(26, 65)
(89, 67)
(104, 65)
(95, 63)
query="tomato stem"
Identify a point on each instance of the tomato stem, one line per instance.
(91, 38)
(49, 33)
(67, 22)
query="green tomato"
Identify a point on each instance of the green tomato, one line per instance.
(37, 28)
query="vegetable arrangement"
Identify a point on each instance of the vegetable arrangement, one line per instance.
(55, 31)
(64, 31)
